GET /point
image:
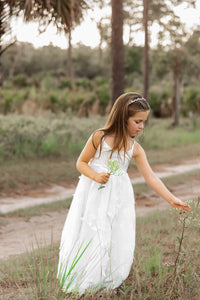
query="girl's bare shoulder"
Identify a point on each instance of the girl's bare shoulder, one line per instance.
(137, 149)
(97, 137)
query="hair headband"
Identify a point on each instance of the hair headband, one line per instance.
(137, 99)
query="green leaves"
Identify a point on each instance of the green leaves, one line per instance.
(114, 168)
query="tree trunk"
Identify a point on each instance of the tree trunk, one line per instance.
(100, 56)
(176, 93)
(1, 74)
(146, 50)
(117, 50)
(69, 55)
(1, 33)
(16, 59)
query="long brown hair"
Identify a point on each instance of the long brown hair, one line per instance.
(123, 108)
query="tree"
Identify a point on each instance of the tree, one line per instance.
(146, 49)
(69, 54)
(62, 13)
(117, 50)
(176, 31)
(177, 60)
(193, 45)
(103, 26)
(140, 15)
(4, 29)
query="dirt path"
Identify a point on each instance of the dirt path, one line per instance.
(58, 192)
(18, 236)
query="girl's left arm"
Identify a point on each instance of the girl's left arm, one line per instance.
(153, 181)
(86, 155)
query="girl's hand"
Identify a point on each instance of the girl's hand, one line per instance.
(102, 177)
(180, 205)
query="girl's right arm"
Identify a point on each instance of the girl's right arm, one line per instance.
(86, 155)
(153, 181)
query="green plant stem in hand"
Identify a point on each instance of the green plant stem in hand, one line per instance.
(102, 186)
(113, 169)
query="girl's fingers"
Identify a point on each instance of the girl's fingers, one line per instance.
(183, 208)
(186, 208)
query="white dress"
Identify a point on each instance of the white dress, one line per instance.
(98, 238)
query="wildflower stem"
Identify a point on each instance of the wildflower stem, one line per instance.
(180, 245)
(177, 257)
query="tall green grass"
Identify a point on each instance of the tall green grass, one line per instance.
(160, 135)
(36, 275)
(38, 137)
(28, 137)
(156, 273)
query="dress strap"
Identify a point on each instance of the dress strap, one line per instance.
(132, 148)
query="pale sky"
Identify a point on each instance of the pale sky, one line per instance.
(87, 33)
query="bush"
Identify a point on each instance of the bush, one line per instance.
(65, 83)
(101, 81)
(191, 100)
(20, 80)
(103, 95)
(160, 101)
(12, 99)
(84, 83)
(27, 137)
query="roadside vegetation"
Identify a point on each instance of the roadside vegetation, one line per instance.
(35, 151)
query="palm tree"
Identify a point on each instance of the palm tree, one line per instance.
(59, 12)
(62, 13)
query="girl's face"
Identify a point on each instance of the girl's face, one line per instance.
(136, 123)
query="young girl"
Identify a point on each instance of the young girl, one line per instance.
(98, 238)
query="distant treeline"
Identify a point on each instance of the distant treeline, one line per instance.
(23, 58)
(35, 80)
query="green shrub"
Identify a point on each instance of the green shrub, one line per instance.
(36, 80)
(74, 100)
(27, 137)
(103, 95)
(84, 83)
(155, 103)
(101, 81)
(49, 146)
(20, 80)
(53, 98)
(49, 83)
(191, 100)
(65, 83)
(160, 101)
